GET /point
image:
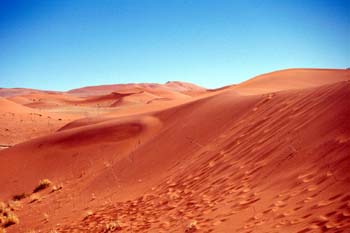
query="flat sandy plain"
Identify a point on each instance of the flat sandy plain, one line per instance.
(271, 154)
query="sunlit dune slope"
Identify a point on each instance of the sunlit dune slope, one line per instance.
(291, 79)
(231, 161)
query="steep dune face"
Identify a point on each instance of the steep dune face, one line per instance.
(231, 162)
(278, 165)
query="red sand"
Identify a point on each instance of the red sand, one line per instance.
(268, 155)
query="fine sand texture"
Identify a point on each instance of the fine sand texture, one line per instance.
(269, 155)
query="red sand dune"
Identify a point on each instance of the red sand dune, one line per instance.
(12, 107)
(20, 123)
(168, 88)
(291, 79)
(8, 92)
(268, 155)
(43, 100)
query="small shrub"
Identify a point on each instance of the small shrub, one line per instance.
(88, 214)
(113, 226)
(14, 205)
(43, 184)
(10, 219)
(46, 217)
(34, 197)
(2, 207)
(191, 227)
(56, 188)
(19, 197)
(7, 217)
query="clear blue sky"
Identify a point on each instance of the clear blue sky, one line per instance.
(60, 44)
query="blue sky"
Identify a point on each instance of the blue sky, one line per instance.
(60, 45)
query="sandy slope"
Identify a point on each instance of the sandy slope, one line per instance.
(291, 79)
(20, 123)
(9, 92)
(241, 159)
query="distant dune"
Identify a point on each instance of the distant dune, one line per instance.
(270, 154)
(171, 87)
